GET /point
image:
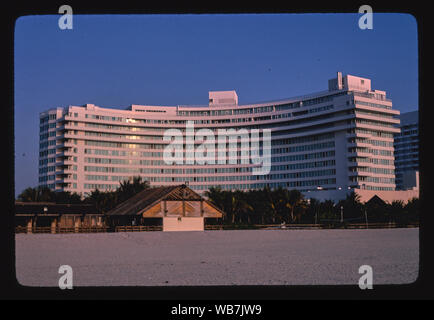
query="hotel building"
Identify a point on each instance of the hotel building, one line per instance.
(407, 152)
(338, 139)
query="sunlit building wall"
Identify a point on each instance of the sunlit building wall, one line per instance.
(338, 139)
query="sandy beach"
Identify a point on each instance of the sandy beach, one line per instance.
(244, 257)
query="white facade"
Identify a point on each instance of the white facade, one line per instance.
(337, 139)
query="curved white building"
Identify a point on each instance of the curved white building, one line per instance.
(338, 139)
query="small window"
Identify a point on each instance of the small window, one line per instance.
(362, 81)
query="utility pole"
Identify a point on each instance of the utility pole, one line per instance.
(342, 214)
(366, 218)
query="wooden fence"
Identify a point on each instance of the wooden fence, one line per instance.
(380, 225)
(137, 228)
(376, 225)
(22, 229)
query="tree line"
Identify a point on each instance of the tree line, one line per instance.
(102, 200)
(272, 206)
(262, 206)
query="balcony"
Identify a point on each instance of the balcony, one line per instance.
(376, 127)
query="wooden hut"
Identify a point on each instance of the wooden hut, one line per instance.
(173, 208)
(33, 217)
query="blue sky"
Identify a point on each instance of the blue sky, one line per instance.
(118, 60)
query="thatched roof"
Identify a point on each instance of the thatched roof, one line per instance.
(147, 198)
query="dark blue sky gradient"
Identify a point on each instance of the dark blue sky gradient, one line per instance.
(118, 60)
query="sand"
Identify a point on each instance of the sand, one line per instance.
(229, 257)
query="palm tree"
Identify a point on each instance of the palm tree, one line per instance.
(103, 201)
(139, 184)
(240, 207)
(127, 189)
(412, 209)
(215, 195)
(233, 204)
(280, 203)
(38, 194)
(313, 209)
(217, 198)
(328, 210)
(28, 195)
(396, 209)
(261, 208)
(353, 206)
(67, 197)
(272, 203)
(294, 200)
(95, 198)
